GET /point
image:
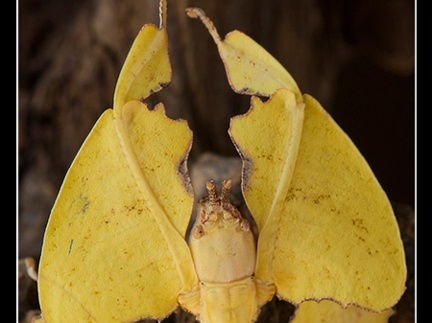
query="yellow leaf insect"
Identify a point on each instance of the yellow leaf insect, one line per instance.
(115, 248)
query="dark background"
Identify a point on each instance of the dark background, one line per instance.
(356, 57)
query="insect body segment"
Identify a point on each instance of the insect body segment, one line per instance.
(224, 252)
(222, 244)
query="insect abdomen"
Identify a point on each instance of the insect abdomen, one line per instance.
(233, 302)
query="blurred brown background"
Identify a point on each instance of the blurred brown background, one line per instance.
(356, 57)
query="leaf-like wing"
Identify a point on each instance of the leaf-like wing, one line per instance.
(327, 229)
(333, 233)
(114, 248)
(146, 69)
(268, 138)
(244, 60)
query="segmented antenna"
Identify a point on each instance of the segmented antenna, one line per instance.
(198, 13)
(210, 185)
(162, 14)
(226, 187)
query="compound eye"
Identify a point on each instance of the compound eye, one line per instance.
(198, 231)
(244, 225)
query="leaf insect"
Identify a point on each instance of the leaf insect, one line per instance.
(115, 247)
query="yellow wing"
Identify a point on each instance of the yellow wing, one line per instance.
(244, 59)
(327, 229)
(147, 67)
(329, 312)
(114, 248)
